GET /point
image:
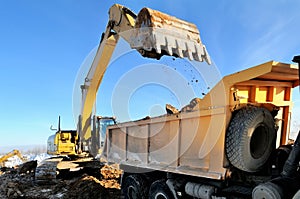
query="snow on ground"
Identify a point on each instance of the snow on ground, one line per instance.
(39, 157)
(15, 160)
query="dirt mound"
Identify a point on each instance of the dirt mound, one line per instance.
(90, 187)
(16, 184)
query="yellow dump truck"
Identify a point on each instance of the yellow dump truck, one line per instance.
(224, 144)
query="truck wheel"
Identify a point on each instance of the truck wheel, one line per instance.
(135, 187)
(250, 138)
(160, 190)
(267, 191)
(297, 195)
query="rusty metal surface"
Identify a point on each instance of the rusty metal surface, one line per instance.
(153, 18)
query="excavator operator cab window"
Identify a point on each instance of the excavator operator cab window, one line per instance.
(102, 126)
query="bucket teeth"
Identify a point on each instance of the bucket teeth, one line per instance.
(169, 47)
(167, 35)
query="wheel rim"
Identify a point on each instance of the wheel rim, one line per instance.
(258, 142)
(131, 193)
(160, 196)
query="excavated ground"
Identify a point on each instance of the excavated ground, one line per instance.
(16, 184)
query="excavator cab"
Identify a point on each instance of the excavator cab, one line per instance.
(65, 142)
(100, 125)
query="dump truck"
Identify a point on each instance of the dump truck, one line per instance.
(223, 145)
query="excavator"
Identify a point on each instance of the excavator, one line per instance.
(65, 142)
(5, 157)
(153, 34)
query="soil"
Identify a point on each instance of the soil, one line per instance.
(16, 184)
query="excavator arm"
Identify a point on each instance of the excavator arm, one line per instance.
(120, 20)
(153, 34)
(11, 154)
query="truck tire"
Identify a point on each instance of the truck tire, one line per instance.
(267, 191)
(297, 195)
(135, 187)
(250, 138)
(160, 190)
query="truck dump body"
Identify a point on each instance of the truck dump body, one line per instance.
(192, 141)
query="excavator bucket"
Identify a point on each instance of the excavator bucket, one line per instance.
(157, 34)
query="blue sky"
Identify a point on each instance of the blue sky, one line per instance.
(44, 43)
